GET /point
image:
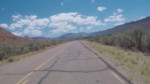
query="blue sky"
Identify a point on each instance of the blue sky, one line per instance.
(52, 18)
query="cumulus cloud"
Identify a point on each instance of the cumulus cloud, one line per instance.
(33, 32)
(16, 17)
(75, 18)
(4, 25)
(28, 21)
(89, 27)
(120, 23)
(59, 31)
(62, 3)
(62, 26)
(64, 22)
(92, 1)
(60, 23)
(119, 10)
(116, 17)
(3, 9)
(30, 25)
(17, 33)
(13, 26)
(100, 9)
(81, 28)
(142, 17)
(36, 32)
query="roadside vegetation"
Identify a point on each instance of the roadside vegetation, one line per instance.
(129, 50)
(9, 51)
(135, 40)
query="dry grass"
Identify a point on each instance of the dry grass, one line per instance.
(134, 61)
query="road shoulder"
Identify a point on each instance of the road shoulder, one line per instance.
(132, 64)
(119, 71)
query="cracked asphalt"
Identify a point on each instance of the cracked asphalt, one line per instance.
(73, 65)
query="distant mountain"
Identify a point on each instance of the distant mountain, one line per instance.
(43, 39)
(144, 23)
(139, 24)
(73, 35)
(6, 36)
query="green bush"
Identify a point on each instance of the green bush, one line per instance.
(7, 50)
(135, 39)
(11, 59)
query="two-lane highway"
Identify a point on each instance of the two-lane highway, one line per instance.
(70, 63)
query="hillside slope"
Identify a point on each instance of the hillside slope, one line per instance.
(6, 36)
(44, 39)
(139, 24)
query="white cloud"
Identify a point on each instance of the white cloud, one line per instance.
(36, 33)
(59, 30)
(88, 20)
(116, 17)
(4, 25)
(30, 25)
(59, 23)
(119, 10)
(100, 9)
(63, 17)
(32, 17)
(39, 22)
(16, 17)
(62, 26)
(28, 21)
(81, 29)
(15, 25)
(17, 33)
(3, 9)
(89, 27)
(120, 23)
(92, 1)
(33, 32)
(62, 3)
(75, 18)
(142, 17)
(65, 22)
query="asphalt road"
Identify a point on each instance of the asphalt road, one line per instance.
(69, 63)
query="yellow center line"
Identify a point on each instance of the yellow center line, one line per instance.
(25, 82)
(24, 79)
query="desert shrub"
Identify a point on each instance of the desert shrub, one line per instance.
(135, 39)
(146, 42)
(11, 59)
(7, 50)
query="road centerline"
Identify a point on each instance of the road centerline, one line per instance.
(24, 79)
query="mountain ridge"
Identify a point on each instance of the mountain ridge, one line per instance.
(6, 37)
(144, 23)
(138, 24)
(43, 38)
(73, 35)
